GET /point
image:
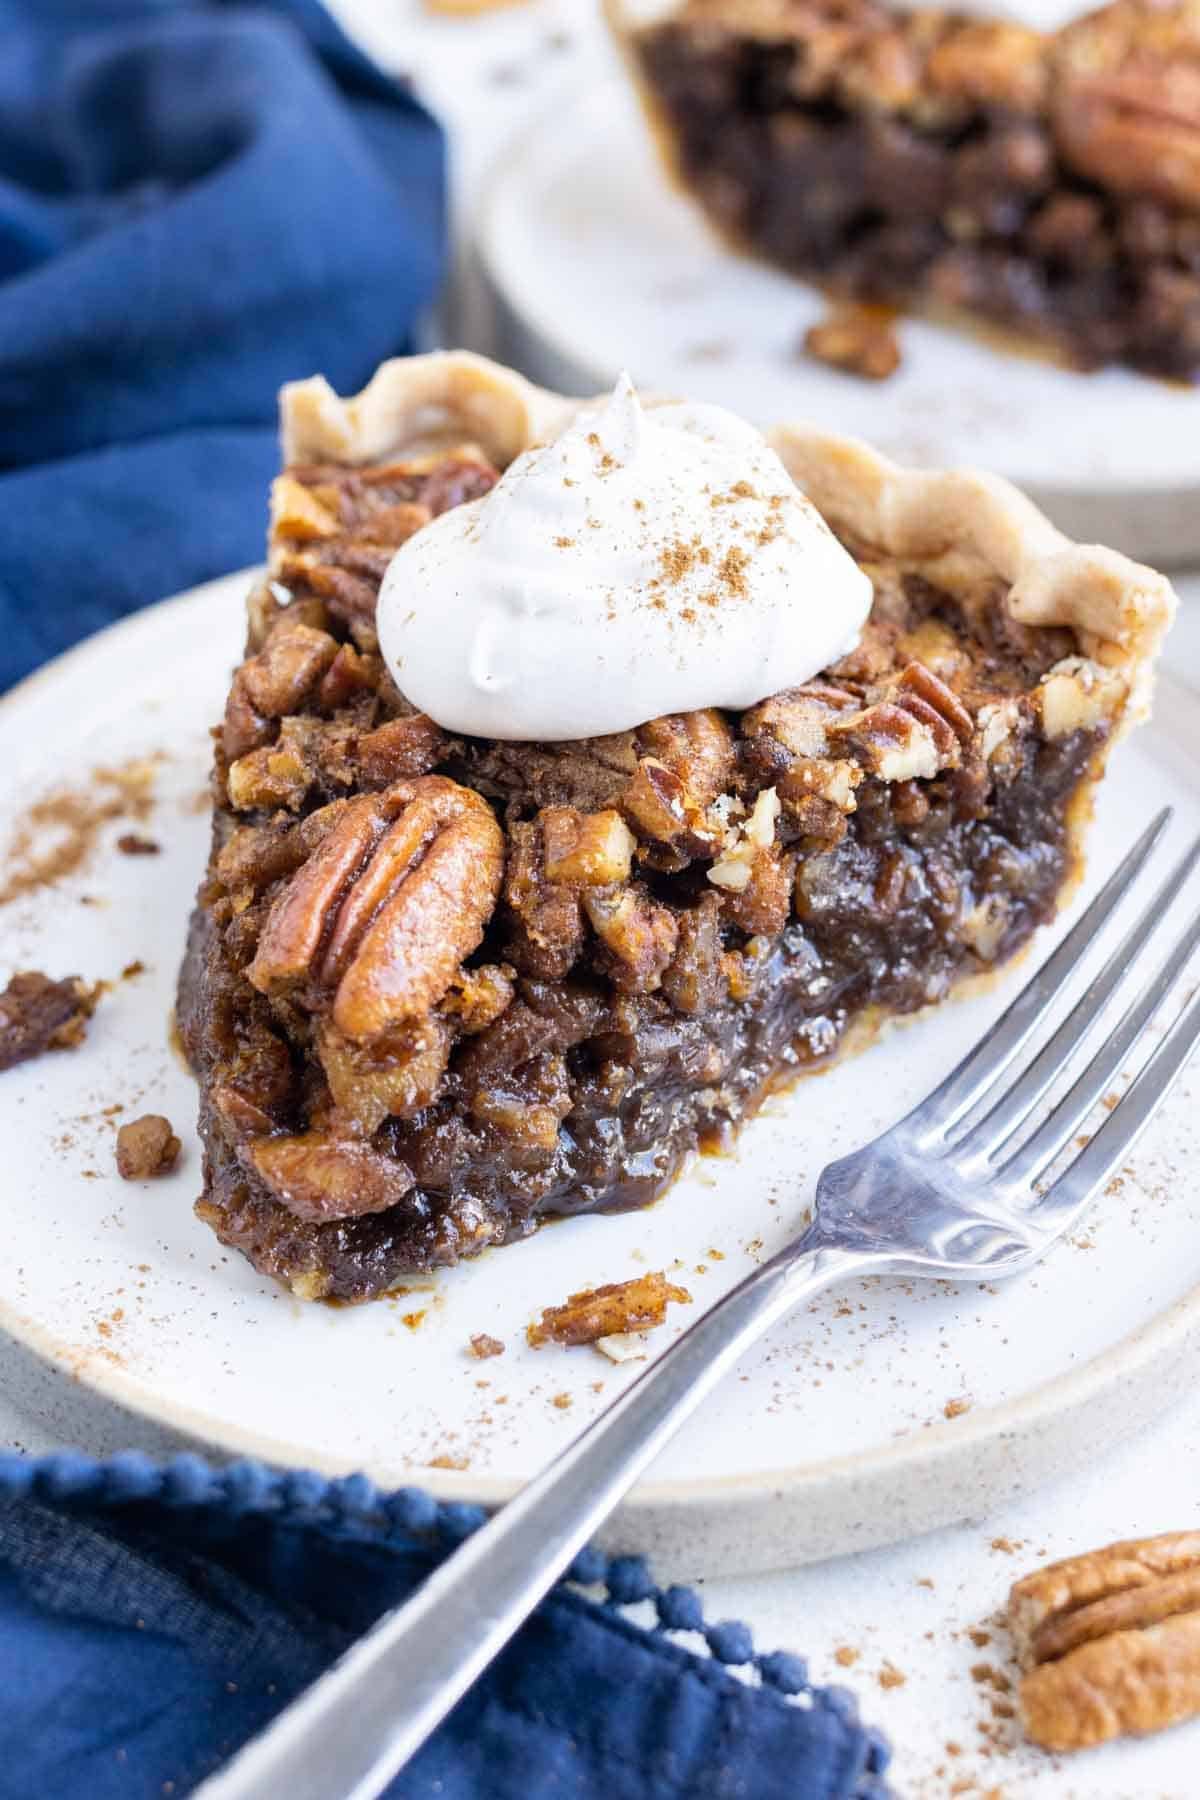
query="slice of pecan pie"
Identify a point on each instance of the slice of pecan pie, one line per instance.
(1045, 182)
(439, 987)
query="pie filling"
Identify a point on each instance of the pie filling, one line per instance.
(1049, 185)
(438, 988)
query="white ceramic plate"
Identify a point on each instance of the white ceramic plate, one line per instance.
(832, 1436)
(597, 263)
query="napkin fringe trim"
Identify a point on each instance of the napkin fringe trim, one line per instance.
(351, 1506)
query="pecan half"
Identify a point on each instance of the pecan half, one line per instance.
(1110, 1641)
(1127, 103)
(382, 914)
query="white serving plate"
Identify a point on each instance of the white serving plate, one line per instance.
(596, 263)
(832, 1436)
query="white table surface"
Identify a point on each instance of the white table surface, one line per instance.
(901, 1618)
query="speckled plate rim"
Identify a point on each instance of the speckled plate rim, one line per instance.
(932, 1476)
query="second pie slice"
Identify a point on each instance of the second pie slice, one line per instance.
(1046, 182)
(443, 982)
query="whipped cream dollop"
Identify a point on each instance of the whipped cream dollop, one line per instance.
(1035, 15)
(646, 561)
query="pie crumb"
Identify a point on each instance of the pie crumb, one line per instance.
(615, 1309)
(146, 1147)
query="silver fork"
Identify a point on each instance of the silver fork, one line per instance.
(954, 1191)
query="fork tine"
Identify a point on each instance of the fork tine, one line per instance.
(978, 1072)
(1112, 1143)
(1053, 1134)
(993, 1131)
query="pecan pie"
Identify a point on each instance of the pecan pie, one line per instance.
(439, 987)
(1047, 183)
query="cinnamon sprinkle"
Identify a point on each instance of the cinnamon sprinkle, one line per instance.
(733, 568)
(57, 834)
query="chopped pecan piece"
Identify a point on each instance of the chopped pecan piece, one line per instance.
(38, 1014)
(817, 795)
(287, 668)
(662, 809)
(383, 913)
(798, 720)
(746, 844)
(1110, 1641)
(527, 1111)
(348, 675)
(857, 339)
(319, 1178)
(400, 749)
(297, 512)
(477, 997)
(275, 775)
(696, 746)
(146, 1147)
(639, 935)
(546, 919)
(1078, 695)
(763, 906)
(692, 980)
(636, 1305)
(482, 1346)
(914, 730)
(586, 849)
(275, 682)
(396, 1075)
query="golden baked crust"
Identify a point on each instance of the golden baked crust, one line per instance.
(1119, 609)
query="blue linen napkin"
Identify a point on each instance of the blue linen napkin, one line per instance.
(153, 1617)
(197, 203)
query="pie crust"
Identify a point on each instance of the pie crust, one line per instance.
(1121, 610)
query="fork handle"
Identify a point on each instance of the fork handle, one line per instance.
(357, 1726)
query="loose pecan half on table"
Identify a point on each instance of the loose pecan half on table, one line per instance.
(1110, 1641)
